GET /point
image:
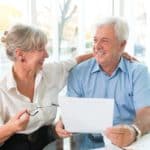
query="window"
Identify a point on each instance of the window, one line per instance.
(139, 28)
(11, 13)
(68, 24)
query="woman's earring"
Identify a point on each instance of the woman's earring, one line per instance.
(21, 59)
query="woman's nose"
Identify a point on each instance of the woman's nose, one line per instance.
(46, 54)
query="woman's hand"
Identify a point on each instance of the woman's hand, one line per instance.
(60, 131)
(121, 135)
(83, 57)
(128, 57)
(19, 121)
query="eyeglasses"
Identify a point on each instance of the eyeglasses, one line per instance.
(35, 111)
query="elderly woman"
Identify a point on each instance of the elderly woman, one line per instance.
(29, 91)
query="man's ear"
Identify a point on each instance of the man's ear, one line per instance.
(123, 44)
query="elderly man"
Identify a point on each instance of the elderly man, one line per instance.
(109, 75)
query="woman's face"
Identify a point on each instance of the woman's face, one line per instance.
(34, 59)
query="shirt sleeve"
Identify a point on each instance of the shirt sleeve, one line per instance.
(141, 91)
(66, 66)
(58, 72)
(74, 88)
(1, 110)
(1, 115)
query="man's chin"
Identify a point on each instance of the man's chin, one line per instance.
(100, 59)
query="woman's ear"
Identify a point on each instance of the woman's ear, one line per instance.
(19, 55)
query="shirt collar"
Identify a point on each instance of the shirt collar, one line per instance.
(38, 78)
(96, 67)
(11, 83)
(120, 66)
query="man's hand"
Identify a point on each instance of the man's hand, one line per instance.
(61, 132)
(121, 135)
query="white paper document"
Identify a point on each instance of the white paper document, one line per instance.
(86, 115)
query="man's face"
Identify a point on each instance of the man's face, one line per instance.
(106, 46)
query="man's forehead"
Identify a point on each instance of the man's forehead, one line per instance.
(105, 28)
(105, 31)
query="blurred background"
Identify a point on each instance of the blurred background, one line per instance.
(68, 24)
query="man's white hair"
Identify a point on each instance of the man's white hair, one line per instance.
(120, 26)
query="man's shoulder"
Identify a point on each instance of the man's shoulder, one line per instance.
(135, 66)
(85, 65)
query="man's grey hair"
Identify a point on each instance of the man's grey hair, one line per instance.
(23, 37)
(120, 26)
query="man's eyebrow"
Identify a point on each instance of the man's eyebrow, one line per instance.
(103, 38)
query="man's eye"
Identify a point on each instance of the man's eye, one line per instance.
(95, 40)
(105, 41)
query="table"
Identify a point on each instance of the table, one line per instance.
(73, 143)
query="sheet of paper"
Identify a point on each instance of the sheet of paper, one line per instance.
(86, 115)
(112, 147)
(99, 148)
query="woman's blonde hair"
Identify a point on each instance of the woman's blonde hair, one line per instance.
(24, 37)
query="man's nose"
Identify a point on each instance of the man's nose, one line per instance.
(98, 46)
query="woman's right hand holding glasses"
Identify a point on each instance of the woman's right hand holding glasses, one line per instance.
(19, 121)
